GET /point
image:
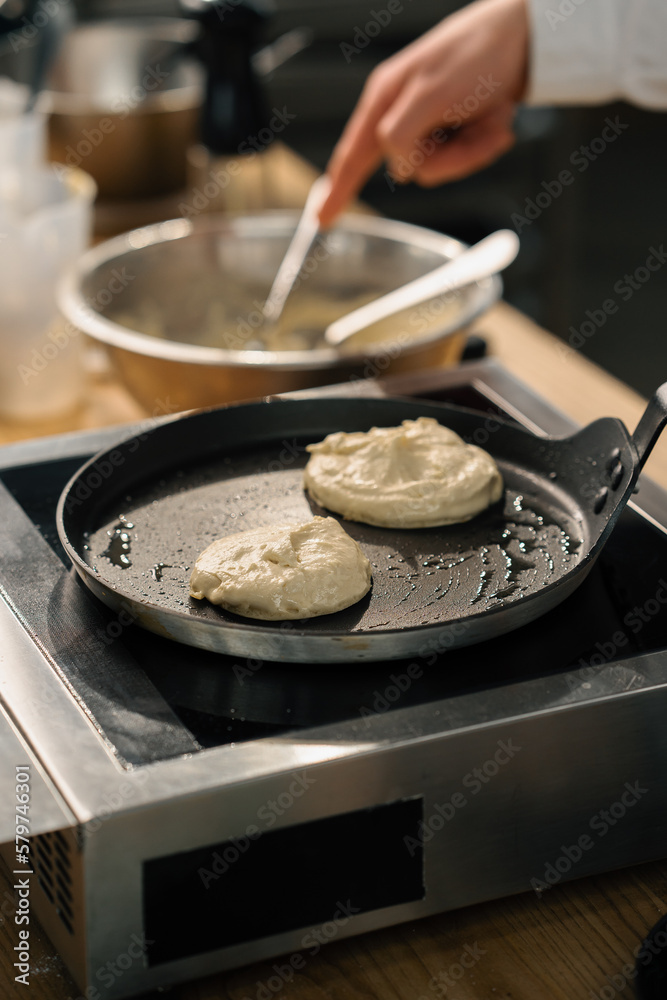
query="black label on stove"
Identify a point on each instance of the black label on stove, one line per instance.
(316, 875)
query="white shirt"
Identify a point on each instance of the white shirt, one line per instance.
(595, 51)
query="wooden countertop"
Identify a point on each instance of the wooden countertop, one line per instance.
(570, 943)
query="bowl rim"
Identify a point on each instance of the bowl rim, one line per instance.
(81, 313)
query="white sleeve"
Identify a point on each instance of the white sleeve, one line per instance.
(595, 51)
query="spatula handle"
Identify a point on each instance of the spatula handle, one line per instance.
(651, 424)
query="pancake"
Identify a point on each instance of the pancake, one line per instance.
(418, 475)
(283, 572)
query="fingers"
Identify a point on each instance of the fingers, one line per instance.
(358, 152)
(354, 165)
(471, 148)
(439, 109)
(414, 114)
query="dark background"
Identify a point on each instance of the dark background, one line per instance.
(600, 228)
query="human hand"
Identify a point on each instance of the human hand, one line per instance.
(439, 109)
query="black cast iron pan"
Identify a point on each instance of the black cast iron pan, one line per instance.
(134, 518)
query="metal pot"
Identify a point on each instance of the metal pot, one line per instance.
(124, 104)
(178, 305)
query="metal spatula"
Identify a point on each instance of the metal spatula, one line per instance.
(297, 251)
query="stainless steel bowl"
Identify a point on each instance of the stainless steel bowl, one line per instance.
(124, 104)
(178, 306)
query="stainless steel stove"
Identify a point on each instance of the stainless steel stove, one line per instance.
(190, 813)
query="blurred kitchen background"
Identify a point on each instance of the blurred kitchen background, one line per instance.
(598, 230)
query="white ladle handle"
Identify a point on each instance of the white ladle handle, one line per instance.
(485, 258)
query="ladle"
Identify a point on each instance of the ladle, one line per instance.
(485, 258)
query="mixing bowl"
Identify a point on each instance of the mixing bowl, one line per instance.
(178, 305)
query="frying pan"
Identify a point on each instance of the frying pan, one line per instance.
(135, 517)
